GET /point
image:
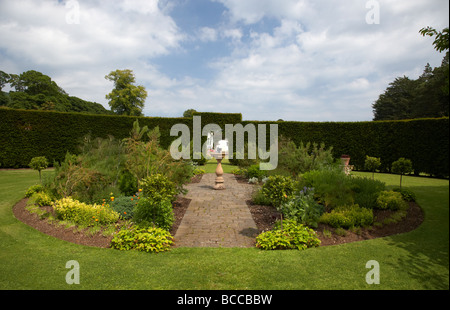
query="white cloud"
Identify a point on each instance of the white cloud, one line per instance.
(110, 35)
(207, 34)
(296, 60)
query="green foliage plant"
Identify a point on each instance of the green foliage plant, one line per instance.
(155, 213)
(304, 208)
(253, 171)
(289, 236)
(331, 185)
(304, 157)
(372, 164)
(348, 216)
(391, 200)
(407, 194)
(124, 205)
(278, 190)
(258, 198)
(158, 187)
(366, 191)
(150, 239)
(37, 188)
(40, 199)
(39, 163)
(402, 166)
(128, 183)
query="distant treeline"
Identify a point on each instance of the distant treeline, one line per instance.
(33, 90)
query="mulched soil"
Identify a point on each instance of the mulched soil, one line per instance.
(264, 217)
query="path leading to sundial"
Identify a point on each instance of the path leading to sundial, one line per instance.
(217, 218)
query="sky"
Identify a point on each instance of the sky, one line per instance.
(296, 60)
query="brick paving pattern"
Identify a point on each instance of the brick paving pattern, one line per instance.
(217, 218)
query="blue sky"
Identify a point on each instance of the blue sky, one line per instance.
(304, 60)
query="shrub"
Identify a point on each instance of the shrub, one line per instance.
(407, 195)
(332, 186)
(124, 205)
(84, 214)
(366, 191)
(304, 157)
(38, 188)
(390, 200)
(259, 198)
(151, 239)
(292, 236)
(278, 189)
(41, 199)
(254, 172)
(304, 208)
(127, 183)
(158, 187)
(150, 212)
(198, 171)
(347, 217)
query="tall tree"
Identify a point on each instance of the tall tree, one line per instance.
(126, 98)
(396, 102)
(428, 96)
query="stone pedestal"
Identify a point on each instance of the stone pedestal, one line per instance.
(219, 184)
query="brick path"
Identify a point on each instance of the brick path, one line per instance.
(217, 218)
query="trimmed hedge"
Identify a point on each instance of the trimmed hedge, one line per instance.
(25, 134)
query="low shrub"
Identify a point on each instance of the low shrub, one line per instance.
(149, 212)
(198, 171)
(331, 185)
(258, 198)
(366, 191)
(278, 189)
(127, 183)
(80, 213)
(41, 199)
(407, 194)
(390, 200)
(38, 188)
(304, 208)
(254, 172)
(293, 236)
(151, 239)
(158, 187)
(125, 205)
(347, 217)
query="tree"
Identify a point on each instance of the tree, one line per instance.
(189, 113)
(4, 79)
(402, 166)
(126, 98)
(371, 164)
(397, 101)
(428, 96)
(39, 163)
(441, 43)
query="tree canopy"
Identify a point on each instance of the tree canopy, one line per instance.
(126, 98)
(427, 96)
(33, 90)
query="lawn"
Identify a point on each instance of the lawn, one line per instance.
(416, 260)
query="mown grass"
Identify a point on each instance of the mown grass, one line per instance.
(416, 260)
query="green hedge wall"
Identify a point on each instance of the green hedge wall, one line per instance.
(25, 134)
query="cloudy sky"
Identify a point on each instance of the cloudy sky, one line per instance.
(305, 60)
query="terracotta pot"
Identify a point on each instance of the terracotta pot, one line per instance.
(345, 159)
